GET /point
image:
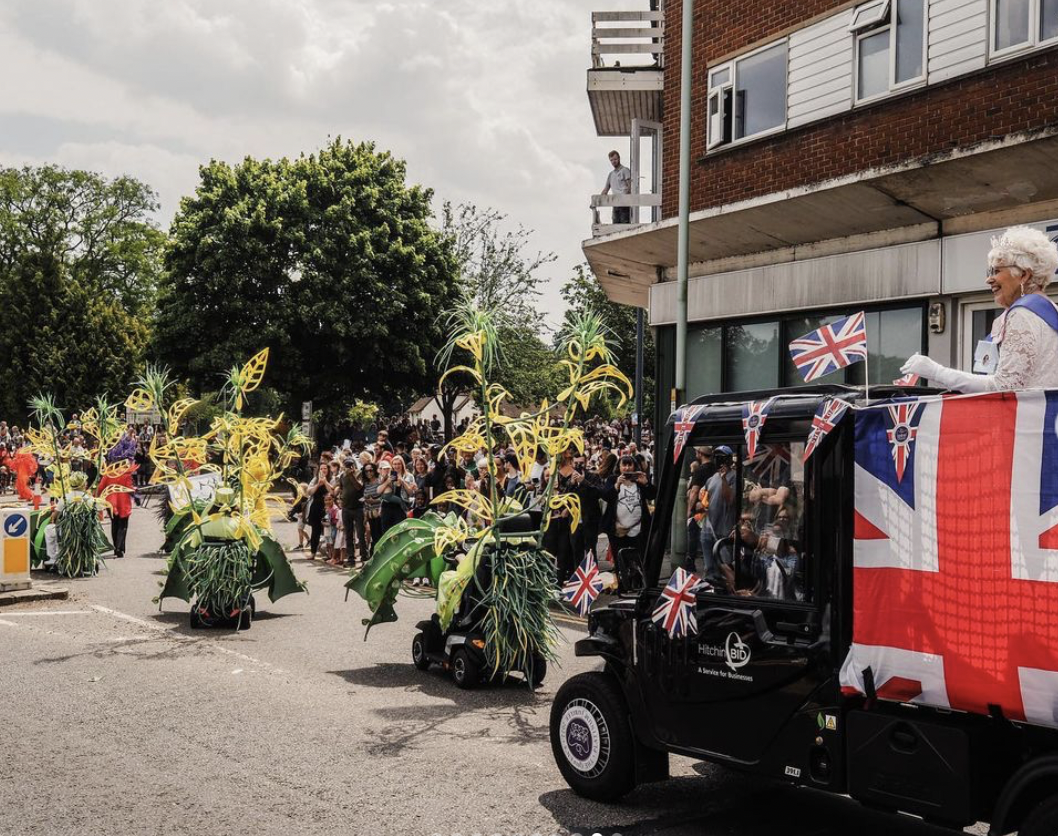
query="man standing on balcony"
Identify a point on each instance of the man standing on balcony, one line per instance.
(620, 181)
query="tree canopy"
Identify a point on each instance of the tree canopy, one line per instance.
(79, 265)
(329, 259)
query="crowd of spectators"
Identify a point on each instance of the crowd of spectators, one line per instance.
(354, 492)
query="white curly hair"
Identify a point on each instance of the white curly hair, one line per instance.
(1025, 248)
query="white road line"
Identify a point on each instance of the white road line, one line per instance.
(8, 623)
(46, 612)
(158, 628)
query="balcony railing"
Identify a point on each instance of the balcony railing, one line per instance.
(637, 34)
(637, 202)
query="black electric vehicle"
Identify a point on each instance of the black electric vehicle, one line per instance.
(757, 687)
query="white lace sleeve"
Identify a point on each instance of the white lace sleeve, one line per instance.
(1019, 354)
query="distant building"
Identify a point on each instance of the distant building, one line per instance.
(428, 408)
(844, 157)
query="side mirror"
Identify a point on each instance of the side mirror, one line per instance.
(629, 568)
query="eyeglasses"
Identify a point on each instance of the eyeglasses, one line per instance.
(995, 271)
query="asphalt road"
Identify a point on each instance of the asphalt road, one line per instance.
(119, 719)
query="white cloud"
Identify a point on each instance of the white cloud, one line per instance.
(485, 101)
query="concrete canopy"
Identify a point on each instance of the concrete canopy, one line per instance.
(999, 175)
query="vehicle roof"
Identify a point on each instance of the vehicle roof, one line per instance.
(795, 402)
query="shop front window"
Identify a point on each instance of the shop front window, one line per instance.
(753, 356)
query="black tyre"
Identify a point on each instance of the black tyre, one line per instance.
(465, 671)
(1042, 820)
(591, 739)
(196, 619)
(539, 671)
(418, 652)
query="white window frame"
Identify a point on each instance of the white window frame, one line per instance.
(732, 84)
(1034, 41)
(866, 30)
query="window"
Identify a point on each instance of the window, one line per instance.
(750, 516)
(748, 96)
(703, 361)
(890, 46)
(892, 337)
(752, 356)
(1020, 24)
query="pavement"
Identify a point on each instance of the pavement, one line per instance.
(120, 719)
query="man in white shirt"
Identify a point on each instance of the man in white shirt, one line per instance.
(620, 181)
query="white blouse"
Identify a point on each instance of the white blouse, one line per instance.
(1028, 357)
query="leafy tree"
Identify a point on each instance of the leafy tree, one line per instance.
(329, 259)
(583, 294)
(79, 265)
(529, 369)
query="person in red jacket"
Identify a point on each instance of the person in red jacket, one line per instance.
(120, 503)
(25, 467)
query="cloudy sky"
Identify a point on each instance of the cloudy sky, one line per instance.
(485, 100)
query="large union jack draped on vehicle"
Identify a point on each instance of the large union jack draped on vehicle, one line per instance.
(955, 578)
(830, 348)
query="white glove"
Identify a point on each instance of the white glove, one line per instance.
(922, 366)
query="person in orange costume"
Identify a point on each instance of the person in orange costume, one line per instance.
(25, 467)
(120, 505)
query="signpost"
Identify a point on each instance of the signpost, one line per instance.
(14, 554)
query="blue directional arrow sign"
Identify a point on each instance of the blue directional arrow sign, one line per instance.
(16, 525)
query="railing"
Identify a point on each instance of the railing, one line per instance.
(645, 39)
(635, 201)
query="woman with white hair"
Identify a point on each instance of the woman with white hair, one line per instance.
(1022, 351)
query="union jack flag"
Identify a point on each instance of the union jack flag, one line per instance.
(832, 347)
(683, 427)
(675, 608)
(826, 418)
(584, 585)
(954, 572)
(906, 380)
(902, 430)
(772, 464)
(753, 417)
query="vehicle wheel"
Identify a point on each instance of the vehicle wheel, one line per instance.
(418, 652)
(1042, 820)
(539, 671)
(591, 739)
(196, 619)
(465, 671)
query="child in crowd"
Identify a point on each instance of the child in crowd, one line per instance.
(337, 531)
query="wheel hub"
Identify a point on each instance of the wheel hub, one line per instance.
(585, 737)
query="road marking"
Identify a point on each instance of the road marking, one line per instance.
(8, 623)
(158, 628)
(46, 612)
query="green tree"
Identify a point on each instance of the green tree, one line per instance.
(79, 265)
(329, 259)
(583, 294)
(529, 369)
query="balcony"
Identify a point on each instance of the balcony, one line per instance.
(627, 69)
(635, 201)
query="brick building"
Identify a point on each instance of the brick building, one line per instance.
(845, 156)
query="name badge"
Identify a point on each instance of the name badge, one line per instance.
(986, 357)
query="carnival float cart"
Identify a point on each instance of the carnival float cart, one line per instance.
(67, 535)
(223, 546)
(485, 556)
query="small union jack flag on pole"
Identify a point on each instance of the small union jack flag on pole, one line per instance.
(902, 430)
(753, 417)
(906, 380)
(832, 347)
(683, 427)
(826, 418)
(674, 611)
(584, 585)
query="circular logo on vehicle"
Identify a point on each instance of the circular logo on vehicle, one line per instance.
(579, 734)
(901, 433)
(736, 651)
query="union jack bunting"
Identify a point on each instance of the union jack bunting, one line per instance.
(772, 464)
(683, 427)
(584, 585)
(906, 380)
(826, 418)
(830, 348)
(902, 430)
(753, 417)
(674, 611)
